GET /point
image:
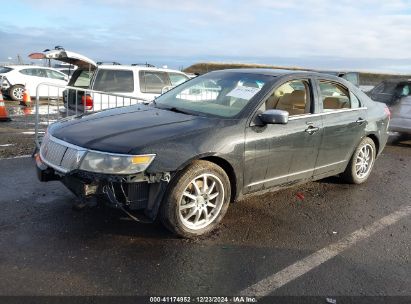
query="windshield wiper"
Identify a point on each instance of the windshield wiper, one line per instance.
(174, 109)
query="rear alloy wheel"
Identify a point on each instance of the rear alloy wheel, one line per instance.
(197, 200)
(16, 92)
(361, 163)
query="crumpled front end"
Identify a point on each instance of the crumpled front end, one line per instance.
(115, 185)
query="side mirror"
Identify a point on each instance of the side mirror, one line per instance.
(274, 117)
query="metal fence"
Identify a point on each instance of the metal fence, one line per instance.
(55, 102)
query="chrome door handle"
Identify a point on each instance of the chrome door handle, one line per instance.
(311, 130)
(360, 121)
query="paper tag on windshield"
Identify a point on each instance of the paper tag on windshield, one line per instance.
(243, 92)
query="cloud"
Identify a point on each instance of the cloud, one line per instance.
(137, 30)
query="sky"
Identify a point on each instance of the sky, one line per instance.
(345, 34)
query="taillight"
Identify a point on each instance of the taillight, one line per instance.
(87, 102)
(388, 112)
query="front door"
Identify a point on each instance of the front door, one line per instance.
(278, 154)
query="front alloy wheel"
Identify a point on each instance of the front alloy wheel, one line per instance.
(197, 200)
(201, 201)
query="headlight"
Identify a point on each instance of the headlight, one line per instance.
(115, 163)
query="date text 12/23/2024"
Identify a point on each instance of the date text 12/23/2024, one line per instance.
(208, 299)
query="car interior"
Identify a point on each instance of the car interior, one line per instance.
(291, 97)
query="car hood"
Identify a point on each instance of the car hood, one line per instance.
(126, 129)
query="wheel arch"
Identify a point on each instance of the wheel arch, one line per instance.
(228, 169)
(376, 142)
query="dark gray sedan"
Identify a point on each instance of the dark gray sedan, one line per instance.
(210, 141)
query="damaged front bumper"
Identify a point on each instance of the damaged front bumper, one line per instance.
(140, 191)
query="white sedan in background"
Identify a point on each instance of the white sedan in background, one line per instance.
(15, 78)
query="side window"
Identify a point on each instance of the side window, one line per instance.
(334, 96)
(177, 79)
(54, 75)
(406, 90)
(39, 73)
(355, 102)
(153, 82)
(292, 96)
(29, 72)
(114, 81)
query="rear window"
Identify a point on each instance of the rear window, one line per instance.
(114, 81)
(5, 70)
(153, 82)
(81, 78)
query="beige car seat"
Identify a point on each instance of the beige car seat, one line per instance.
(334, 103)
(294, 102)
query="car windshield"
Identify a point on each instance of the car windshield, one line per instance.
(222, 94)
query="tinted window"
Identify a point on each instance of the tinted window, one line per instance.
(114, 81)
(54, 75)
(177, 79)
(153, 82)
(5, 70)
(30, 72)
(292, 96)
(334, 96)
(40, 73)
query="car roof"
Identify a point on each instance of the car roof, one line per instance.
(136, 67)
(280, 72)
(22, 66)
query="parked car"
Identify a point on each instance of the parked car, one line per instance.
(390, 91)
(68, 71)
(397, 95)
(353, 77)
(141, 82)
(15, 78)
(186, 160)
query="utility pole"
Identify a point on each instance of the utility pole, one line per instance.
(19, 59)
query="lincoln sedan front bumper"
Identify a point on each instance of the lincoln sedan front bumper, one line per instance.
(58, 160)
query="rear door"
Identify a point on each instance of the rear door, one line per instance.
(344, 121)
(278, 154)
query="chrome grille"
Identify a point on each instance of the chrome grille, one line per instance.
(71, 159)
(60, 155)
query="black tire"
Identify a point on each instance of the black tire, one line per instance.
(14, 92)
(353, 173)
(173, 218)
